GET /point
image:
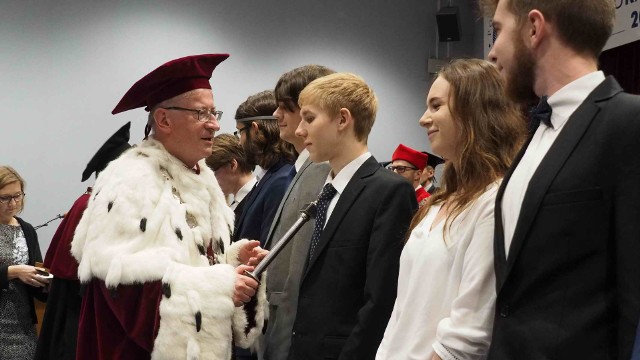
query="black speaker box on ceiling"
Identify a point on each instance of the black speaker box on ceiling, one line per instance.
(448, 24)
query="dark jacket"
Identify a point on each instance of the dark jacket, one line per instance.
(34, 256)
(570, 286)
(348, 288)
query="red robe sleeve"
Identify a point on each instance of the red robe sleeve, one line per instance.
(58, 258)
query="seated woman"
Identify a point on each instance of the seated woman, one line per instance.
(19, 280)
(446, 288)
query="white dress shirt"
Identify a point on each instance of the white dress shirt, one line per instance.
(302, 157)
(446, 288)
(563, 103)
(342, 179)
(244, 190)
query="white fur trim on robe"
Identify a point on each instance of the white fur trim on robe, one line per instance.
(136, 229)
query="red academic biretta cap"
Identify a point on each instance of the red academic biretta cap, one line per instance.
(171, 79)
(415, 157)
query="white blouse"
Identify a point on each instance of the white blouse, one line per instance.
(446, 288)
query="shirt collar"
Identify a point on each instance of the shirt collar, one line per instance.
(259, 172)
(304, 155)
(244, 190)
(565, 101)
(342, 179)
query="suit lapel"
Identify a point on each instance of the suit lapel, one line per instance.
(276, 219)
(253, 195)
(552, 163)
(498, 243)
(346, 200)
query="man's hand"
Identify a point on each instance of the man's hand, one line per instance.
(251, 253)
(245, 286)
(259, 254)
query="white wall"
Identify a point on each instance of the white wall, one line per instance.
(65, 64)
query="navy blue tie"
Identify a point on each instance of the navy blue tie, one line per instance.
(541, 114)
(328, 192)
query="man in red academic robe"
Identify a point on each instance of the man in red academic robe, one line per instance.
(409, 164)
(162, 279)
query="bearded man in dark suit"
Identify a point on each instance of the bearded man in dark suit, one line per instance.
(567, 242)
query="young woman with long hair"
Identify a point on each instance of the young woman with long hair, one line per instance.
(446, 287)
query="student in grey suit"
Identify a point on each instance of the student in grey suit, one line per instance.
(285, 271)
(566, 242)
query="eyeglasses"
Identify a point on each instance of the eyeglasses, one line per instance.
(400, 169)
(5, 199)
(204, 115)
(239, 131)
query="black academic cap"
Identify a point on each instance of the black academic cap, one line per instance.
(433, 160)
(110, 150)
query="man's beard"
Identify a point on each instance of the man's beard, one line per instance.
(521, 76)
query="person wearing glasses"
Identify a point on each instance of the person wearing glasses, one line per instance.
(409, 164)
(446, 286)
(20, 282)
(161, 277)
(259, 135)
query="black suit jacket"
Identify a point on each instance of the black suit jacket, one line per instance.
(348, 288)
(570, 286)
(35, 255)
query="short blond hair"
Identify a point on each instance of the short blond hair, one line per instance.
(344, 90)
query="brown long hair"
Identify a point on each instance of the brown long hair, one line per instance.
(267, 148)
(491, 132)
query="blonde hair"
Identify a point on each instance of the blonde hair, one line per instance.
(344, 90)
(9, 175)
(491, 133)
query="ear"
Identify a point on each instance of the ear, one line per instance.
(161, 119)
(254, 127)
(418, 175)
(234, 164)
(344, 118)
(536, 28)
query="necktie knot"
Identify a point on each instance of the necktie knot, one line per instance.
(328, 192)
(542, 113)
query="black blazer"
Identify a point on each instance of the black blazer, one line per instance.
(348, 288)
(570, 287)
(34, 255)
